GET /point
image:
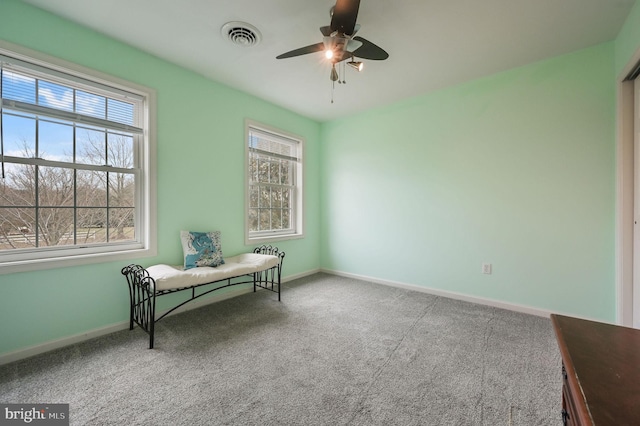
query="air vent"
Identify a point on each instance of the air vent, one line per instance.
(241, 33)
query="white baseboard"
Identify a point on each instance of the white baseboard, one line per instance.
(59, 343)
(449, 294)
(300, 275)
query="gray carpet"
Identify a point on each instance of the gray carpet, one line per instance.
(335, 351)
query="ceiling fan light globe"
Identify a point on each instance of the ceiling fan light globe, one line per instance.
(328, 53)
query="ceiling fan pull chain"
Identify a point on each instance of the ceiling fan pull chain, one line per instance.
(333, 86)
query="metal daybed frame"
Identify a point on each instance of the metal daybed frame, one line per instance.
(143, 293)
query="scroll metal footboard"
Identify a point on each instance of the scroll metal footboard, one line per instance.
(142, 299)
(269, 279)
(142, 293)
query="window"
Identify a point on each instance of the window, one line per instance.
(274, 184)
(75, 158)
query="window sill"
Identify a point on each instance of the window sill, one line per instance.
(10, 267)
(271, 239)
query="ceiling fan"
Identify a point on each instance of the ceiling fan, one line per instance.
(339, 40)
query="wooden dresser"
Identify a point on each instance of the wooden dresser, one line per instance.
(601, 372)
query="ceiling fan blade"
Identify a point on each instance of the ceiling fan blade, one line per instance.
(344, 16)
(318, 47)
(369, 50)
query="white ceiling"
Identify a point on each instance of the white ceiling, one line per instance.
(432, 43)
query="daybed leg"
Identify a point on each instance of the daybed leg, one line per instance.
(281, 256)
(126, 271)
(131, 314)
(152, 320)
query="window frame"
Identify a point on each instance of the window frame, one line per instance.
(145, 214)
(298, 188)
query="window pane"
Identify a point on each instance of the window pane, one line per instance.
(55, 141)
(91, 188)
(121, 225)
(263, 169)
(19, 136)
(265, 220)
(253, 167)
(286, 219)
(265, 197)
(91, 146)
(19, 186)
(55, 226)
(17, 228)
(276, 219)
(18, 87)
(285, 173)
(55, 186)
(253, 219)
(276, 197)
(274, 172)
(92, 226)
(286, 199)
(121, 190)
(55, 95)
(120, 150)
(253, 196)
(90, 104)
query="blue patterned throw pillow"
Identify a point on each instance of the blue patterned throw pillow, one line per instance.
(201, 249)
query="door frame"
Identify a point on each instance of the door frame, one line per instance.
(625, 173)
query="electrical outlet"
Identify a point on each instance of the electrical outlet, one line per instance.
(486, 268)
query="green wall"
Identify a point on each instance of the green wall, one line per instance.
(516, 170)
(628, 40)
(200, 166)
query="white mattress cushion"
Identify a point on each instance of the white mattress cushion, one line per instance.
(168, 276)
